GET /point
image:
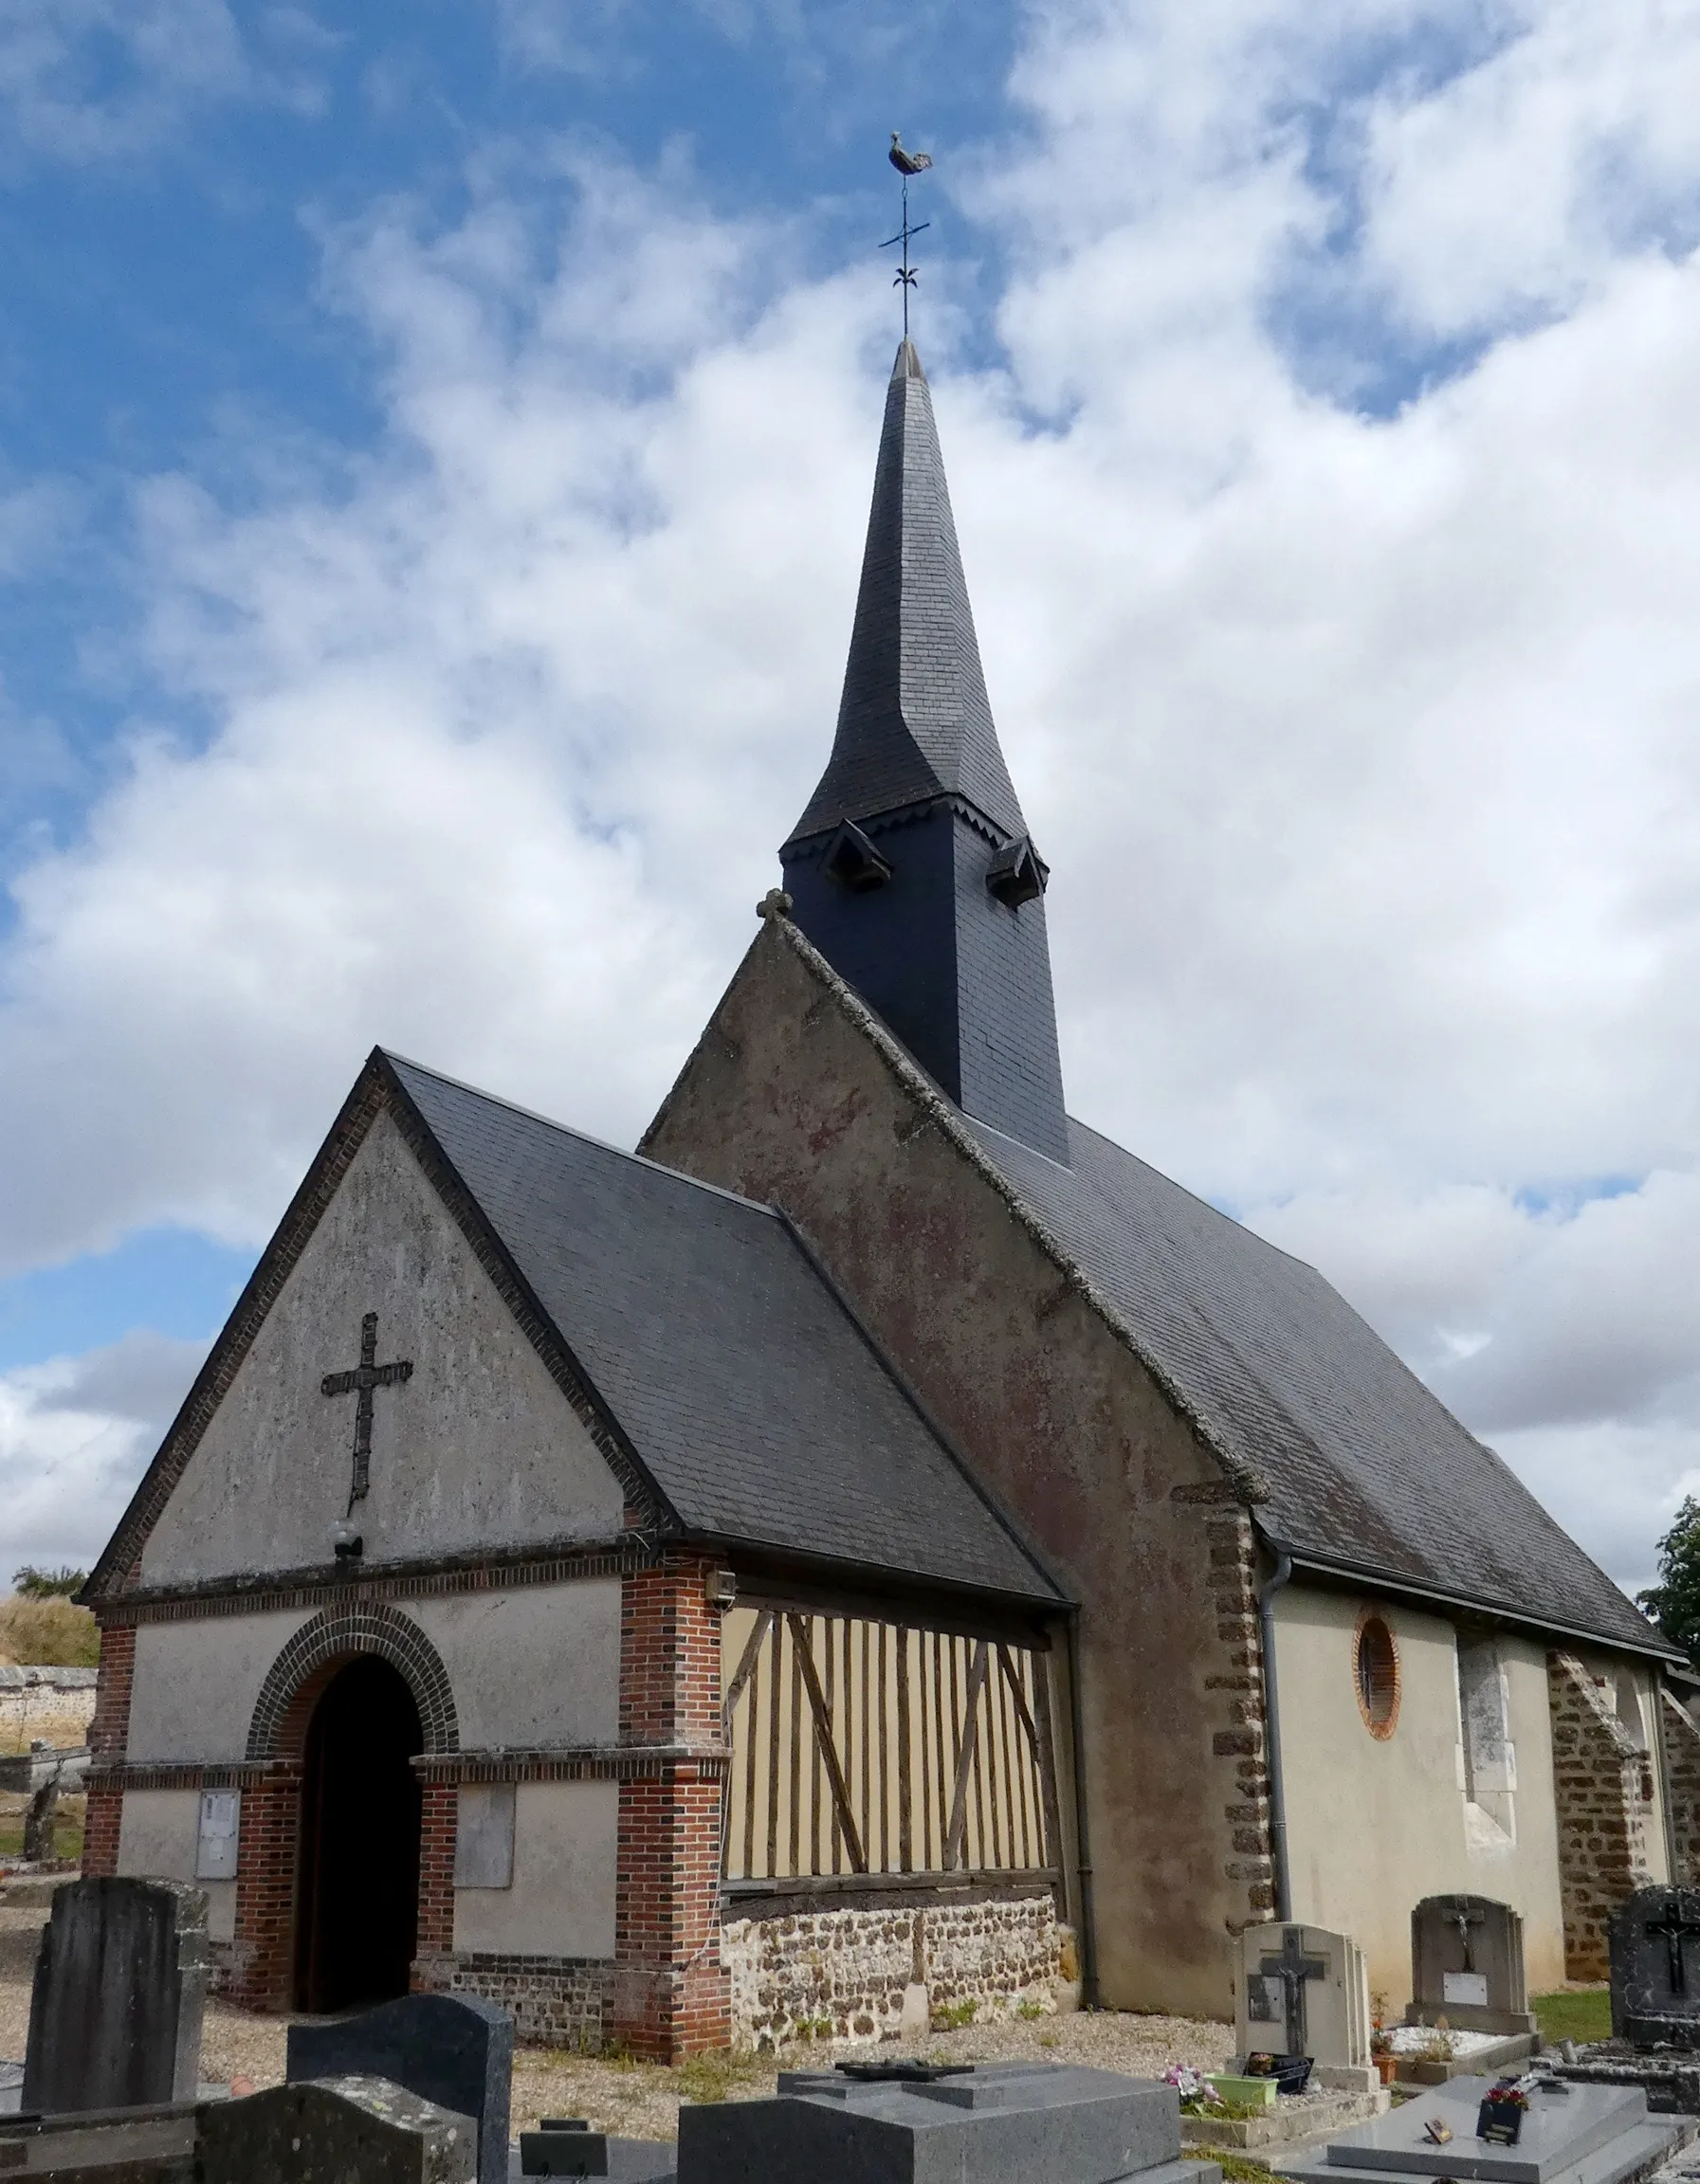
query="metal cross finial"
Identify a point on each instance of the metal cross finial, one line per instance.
(907, 163)
(367, 1376)
(1675, 1930)
(1293, 1968)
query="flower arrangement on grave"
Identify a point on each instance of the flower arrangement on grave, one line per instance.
(1199, 2097)
(1500, 2118)
(1380, 2040)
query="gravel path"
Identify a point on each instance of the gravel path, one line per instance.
(641, 2100)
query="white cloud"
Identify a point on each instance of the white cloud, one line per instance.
(1359, 745)
(75, 1434)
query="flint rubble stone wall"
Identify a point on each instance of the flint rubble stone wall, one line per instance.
(50, 1705)
(793, 1978)
(1603, 1790)
(555, 2001)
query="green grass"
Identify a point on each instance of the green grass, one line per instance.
(1579, 2013)
(67, 1838)
(1237, 2168)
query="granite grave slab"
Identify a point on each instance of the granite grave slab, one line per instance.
(993, 2123)
(1467, 1966)
(120, 1992)
(450, 2049)
(335, 2130)
(1570, 2135)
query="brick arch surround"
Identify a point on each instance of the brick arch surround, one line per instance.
(302, 1668)
(262, 1954)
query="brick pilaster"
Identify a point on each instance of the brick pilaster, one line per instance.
(671, 1993)
(108, 1740)
(262, 1953)
(439, 1821)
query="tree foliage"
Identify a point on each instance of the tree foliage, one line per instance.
(49, 1633)
(47, 1584)
(1674, 1603)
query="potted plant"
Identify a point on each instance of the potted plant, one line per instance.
(1380, 2040)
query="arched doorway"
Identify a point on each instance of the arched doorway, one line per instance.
(358, 1895)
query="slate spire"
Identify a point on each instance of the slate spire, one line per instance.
(911, 869)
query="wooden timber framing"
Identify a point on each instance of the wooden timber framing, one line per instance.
(862, 1750)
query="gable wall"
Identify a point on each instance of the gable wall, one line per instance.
(788, 1098)
(478, 1449)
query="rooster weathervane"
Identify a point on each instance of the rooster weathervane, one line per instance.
(907, 163)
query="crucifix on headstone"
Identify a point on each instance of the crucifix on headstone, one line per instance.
(1464, 1919)
(1674, 1929)
(367, 1376)
(1293, 1968)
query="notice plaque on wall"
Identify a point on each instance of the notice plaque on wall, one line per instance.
(215, 1845)
(1470, 1986)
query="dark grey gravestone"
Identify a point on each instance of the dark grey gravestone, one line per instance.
(1467, 1965)
(997, 2123)
(1655, 1967)
(450, 2049)
(121, 1988)
(1570, 2135)
(353, 2130)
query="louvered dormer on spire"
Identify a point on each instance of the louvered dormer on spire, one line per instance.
(911, 869)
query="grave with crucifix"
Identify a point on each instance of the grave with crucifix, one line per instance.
(1304, 1990)
(1655, 1967)
(1467, 1967)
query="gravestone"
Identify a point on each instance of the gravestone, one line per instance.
(1303, 1990)
(448, 2049)
(121, 1987)
(1655, 1967)
(1569, 2135)
(335, 2130)
(1467, 1966)
(995, 2122)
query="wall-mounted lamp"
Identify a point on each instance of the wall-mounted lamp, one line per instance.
(345, 1541)
(722, 1588)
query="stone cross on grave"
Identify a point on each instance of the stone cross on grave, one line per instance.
(1464, 1920)
(367, 1376)
(1293, 1968)
(1674, 1929)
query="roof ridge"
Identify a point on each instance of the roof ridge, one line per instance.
(583, 1137)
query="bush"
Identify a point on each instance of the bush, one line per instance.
(47, 1633)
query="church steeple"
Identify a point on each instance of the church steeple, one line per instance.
(911, 869)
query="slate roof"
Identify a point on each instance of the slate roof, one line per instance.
(741, 1381)
(1366, 1469)
(914, 719)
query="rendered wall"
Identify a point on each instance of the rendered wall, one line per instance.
(561, 1903)
(789, 1098)
(195, 1683)
(478, 1449)
(157, 1839)
(537, 1666)
(1376, 1823)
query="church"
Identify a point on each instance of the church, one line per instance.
(878, 1547)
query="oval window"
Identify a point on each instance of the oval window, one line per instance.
(1375, 1668)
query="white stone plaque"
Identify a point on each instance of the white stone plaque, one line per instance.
(1470, 1987)
(483, 1842)
(216, 1845)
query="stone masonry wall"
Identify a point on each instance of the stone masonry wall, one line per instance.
(555, 2001)
(54, 1706)
(1682, 1757)
(841, 1975)
(1603, 1790)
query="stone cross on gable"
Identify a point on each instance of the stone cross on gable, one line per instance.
(1293, 1968)
(367, 1376)
(1674, 1929)
(1464, 1919)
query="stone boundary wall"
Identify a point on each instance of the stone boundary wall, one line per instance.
(555, 2001)
(841, 1975)
(1682, 1760)
(1603, 1790)
(55, 1705)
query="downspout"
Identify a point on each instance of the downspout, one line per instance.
(1271, 1730)
(1082, 1847)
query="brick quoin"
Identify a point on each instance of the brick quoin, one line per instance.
(108, 1737)
(262, 1972)
(672, 1995)
(438, 1824)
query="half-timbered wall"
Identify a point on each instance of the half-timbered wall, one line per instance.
(864, 1747)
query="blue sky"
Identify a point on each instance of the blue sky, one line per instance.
(434, 443)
